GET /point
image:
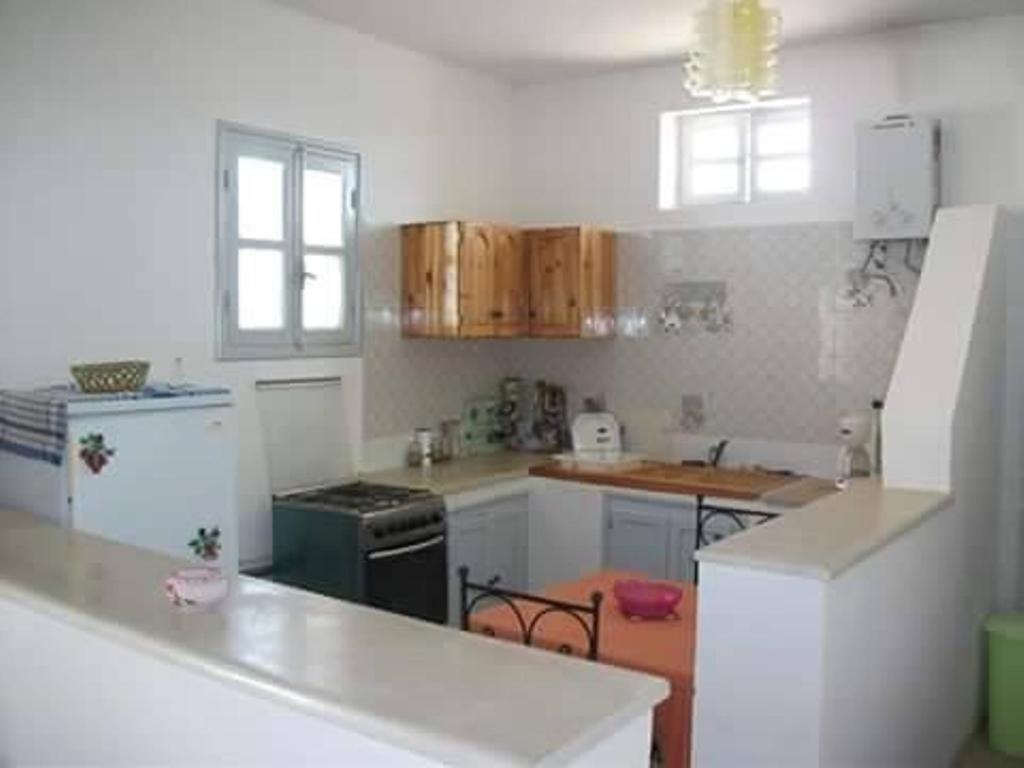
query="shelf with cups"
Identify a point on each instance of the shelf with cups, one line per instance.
(463, 280)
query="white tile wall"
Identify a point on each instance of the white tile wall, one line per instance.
(413, 383)
(794, 360)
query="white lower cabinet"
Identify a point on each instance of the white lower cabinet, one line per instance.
(565, 532)
(652, 537)
(560, 531)
(489, 539)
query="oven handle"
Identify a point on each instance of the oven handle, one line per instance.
(384, 554)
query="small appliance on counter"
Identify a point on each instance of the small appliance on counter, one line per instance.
(597, 443)
(550, 418)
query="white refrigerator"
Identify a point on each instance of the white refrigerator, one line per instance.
(169, 468)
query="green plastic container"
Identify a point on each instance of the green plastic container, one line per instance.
(1006, 683)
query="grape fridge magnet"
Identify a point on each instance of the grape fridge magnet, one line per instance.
(206, 544)
(94, 451)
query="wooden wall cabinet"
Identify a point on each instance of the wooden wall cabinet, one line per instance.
(463, 280)
(572, 282)
(466, 280)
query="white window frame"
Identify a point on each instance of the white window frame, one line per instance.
(676, 161)
(292, 341)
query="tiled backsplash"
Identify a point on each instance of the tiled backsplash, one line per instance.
(413, 383)
(791, 361)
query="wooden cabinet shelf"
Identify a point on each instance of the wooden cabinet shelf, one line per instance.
(463, 280)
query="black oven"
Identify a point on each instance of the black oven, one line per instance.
(410, 578)
(379, 545)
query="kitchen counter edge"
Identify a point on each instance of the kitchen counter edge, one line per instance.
(828, 537)
(644, 691)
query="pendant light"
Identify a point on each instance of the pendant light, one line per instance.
(735, 56)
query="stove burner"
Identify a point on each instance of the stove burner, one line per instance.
(359, 497)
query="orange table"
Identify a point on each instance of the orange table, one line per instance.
(662, 648)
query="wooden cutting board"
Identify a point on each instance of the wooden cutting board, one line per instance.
(674, 478)
(800, 492)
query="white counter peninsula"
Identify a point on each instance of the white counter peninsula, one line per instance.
(99, 668)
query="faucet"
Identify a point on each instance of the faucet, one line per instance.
(715, 453)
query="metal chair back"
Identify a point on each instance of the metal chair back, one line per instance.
(471, 594)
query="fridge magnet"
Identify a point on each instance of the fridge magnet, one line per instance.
(206, 544)
(94, 451)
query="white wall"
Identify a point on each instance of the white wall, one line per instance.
(588, 148)
(758, 689)
(928, 378)
(904, 672)
(107, 171)
(894, 643)
(588, 151)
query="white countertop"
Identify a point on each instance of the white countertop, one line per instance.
(824, 538)
(457, 698)
(463, 474)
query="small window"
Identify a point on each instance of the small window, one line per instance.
(287, 264)
(735, 154)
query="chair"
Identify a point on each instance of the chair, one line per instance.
(588, 616)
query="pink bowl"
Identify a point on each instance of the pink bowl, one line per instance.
(646, 599)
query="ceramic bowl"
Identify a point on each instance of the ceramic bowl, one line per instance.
(647, 599)
(196, 586)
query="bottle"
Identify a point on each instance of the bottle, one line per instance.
(876, 453)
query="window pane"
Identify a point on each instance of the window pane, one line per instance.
(321, 207)
(260, 199)
(790, 137)
(787, 174)
(714, 179)
(715, 139)
(323, 306)
(260, 289)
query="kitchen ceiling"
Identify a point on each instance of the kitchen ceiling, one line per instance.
(533, 40)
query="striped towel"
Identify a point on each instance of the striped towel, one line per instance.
(34, 424)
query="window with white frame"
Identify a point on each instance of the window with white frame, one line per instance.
(735, 154)
(287, 265)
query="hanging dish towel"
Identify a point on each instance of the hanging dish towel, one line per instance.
(34, 425)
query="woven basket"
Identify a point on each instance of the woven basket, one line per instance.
(122, 376)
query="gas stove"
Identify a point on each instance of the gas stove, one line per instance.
(388, 514)
(377, 544)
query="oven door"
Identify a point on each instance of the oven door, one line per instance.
(410, 579)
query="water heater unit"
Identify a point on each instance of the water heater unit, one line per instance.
(897, 178)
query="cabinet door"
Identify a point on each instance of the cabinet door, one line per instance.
(639, 538)
(506, 538)
(564, 533)
(430, 306)
(477, 282)
(467, 546)
(554, 282)
(597, 284)
(511, 283)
